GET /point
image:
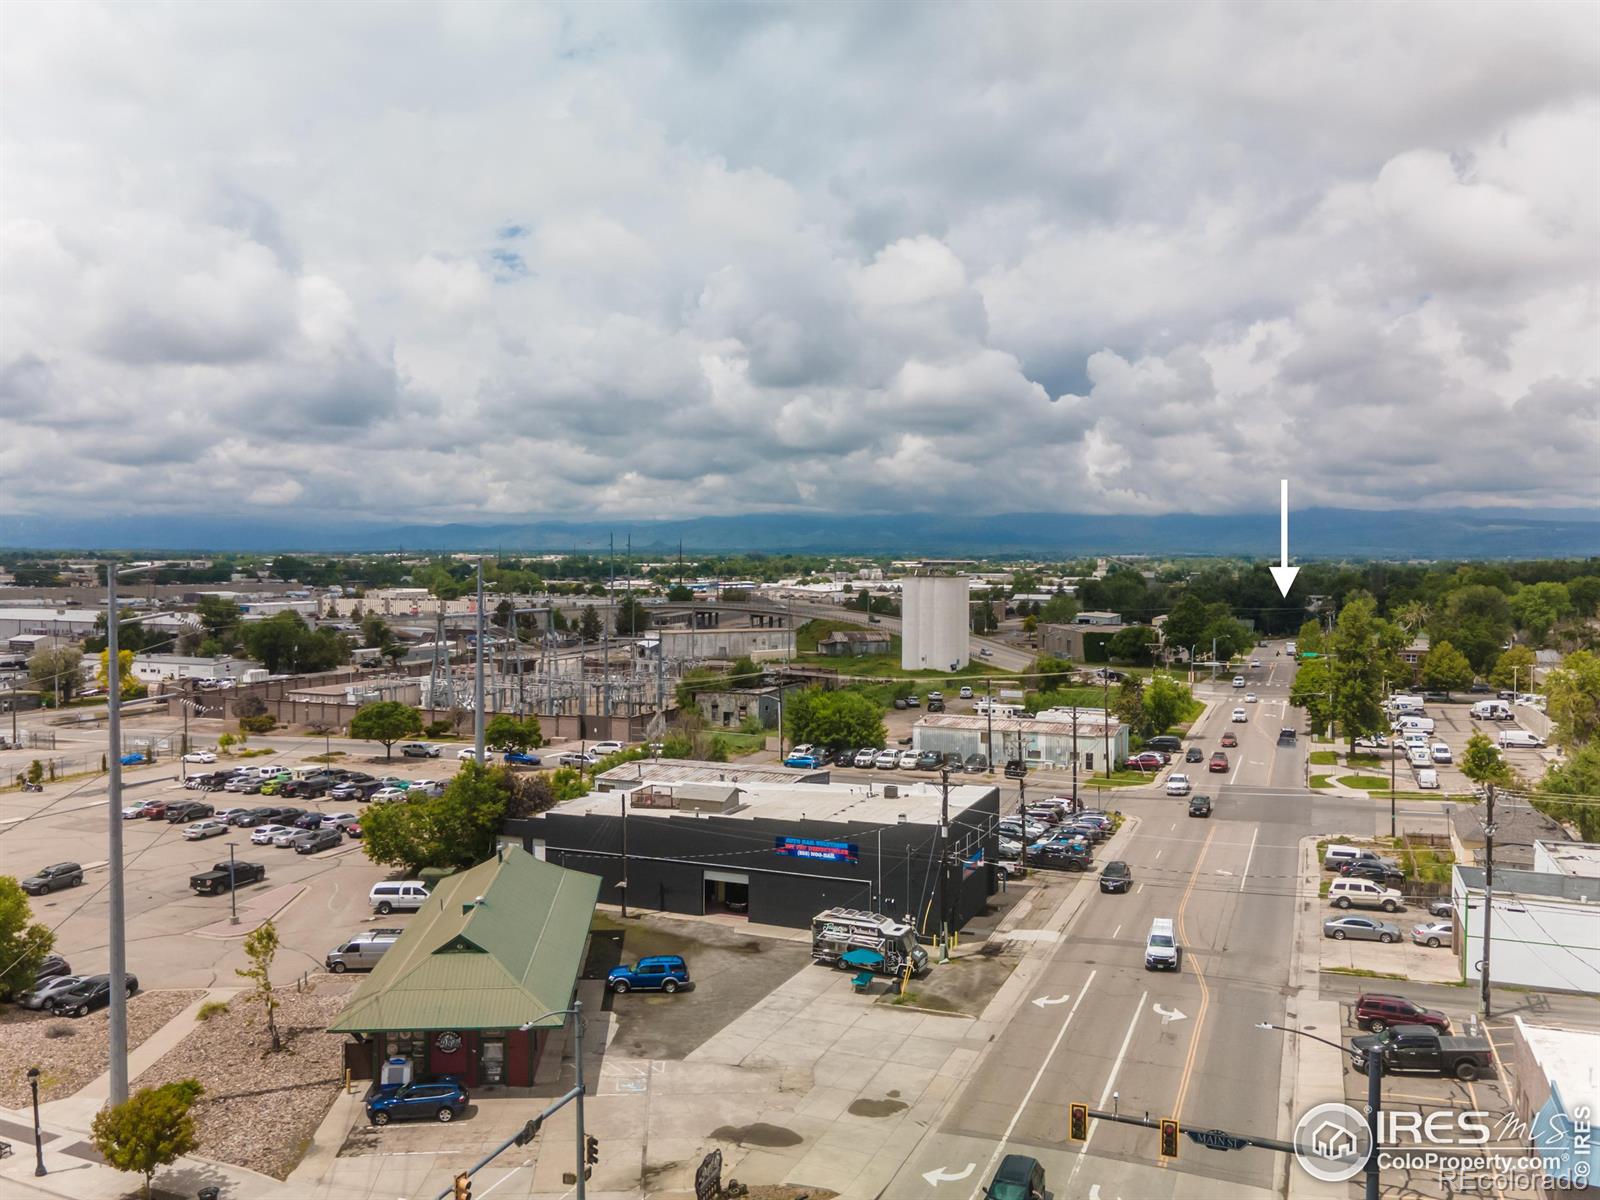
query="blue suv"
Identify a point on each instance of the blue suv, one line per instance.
(659, 973)
(522, 758)
(806, 762)
(443, 1100)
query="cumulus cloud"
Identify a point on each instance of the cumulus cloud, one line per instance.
(434, 262)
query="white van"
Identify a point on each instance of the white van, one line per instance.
(1419, 755)
(1441, 752)
(1363, 893)
(999, 709)
(1420, 724)
(1519, 739)
(1491, 710)
(1428, 779)
(397, 897)
(1161, 951)
(1339, 854)
(1399, 703)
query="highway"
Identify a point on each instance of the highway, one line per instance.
(1178, 1044)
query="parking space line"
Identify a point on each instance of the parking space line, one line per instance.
(1249, 857)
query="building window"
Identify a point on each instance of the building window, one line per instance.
(408, 1045)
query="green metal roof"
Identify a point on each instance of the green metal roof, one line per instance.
(495, 964)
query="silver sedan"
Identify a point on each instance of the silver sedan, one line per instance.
(205, 829)
(1434, 933)
(1368, 929)
(40, 994)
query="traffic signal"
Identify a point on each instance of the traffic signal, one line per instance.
(591, 1149)
(1169, 1138)
(1078, 1122)
(463, 1190)
(529, 1131)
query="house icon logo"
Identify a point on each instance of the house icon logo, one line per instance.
(1331, 1142)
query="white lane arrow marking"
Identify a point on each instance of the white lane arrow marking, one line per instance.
(940, 1175)
(1169, 1014)
(1220, 871)
(1042, 1001)
(1283, 574)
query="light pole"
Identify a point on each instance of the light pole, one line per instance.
(477, 719)
(38, 1133)
(576, 1013)
(1374, 1096)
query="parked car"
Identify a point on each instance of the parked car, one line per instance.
(262, 835)
(1363, 893)
(52, 967)
(310, 820)
(602, 749)
(522, 758)
(1064, 856)
(1230, 739)
(908, 760)
(340, 820)
(1379, 870)
(201, 830)
(1219, 763)
(1434, 933)
(353, 832)
(1145, 760)
(930, 760)
(419, 750)
(228, 814)
(658, 973)
(1116, 876)
(976, 764)
(200, 756)
(134, 811)
(1445, 907)
(318, 839)
(935, 705)
(442, 1100)
(965, 693)
(887, 760)
(1194, 754)
(388, 795)
(1379, 1010)
(91, 992)
(45, 990)
(1359, 929)
(1419, 1048)
(156, 810)
(1014, 827)
(53, 878)
(803, 762)
(133, 760)
(189, 810)
(572, 758)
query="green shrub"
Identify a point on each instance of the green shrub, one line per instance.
(211, 1008)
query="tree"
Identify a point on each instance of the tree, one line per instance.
(744, 673)
(1365, 652)
(1573, 699)
(220, 618)
(149, 1130)
(385, 721)
(503, 612)
(589, 624)
(1446, 669)
(1412, 616)
(1132, 644)
(24, 943)
(1309, 691)
(57, 672)
(1584, 592)
(454, 829)
(1058, 610)
(843, 718)
(1051, 673)
(1537, 607)
(261, 947)
(1514, 669)
(1165, 702)
(1579, 778)
(1482, 762)
(633, 618)
(983, 618)
(128, 685)
(284, 642)
(513, 733)
(568, 783)
(1128, 703)
(1309, 640)
(1476, 620)
(1030, 624)
(1186, 624)
(679, 594)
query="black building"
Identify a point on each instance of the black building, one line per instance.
(779, 854)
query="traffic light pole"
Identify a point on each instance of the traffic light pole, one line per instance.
(1212, 1139)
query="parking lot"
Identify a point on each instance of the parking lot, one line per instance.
(1454, 725)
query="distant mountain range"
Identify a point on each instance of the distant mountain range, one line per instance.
(1316, 534)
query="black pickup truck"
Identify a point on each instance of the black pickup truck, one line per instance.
(209, 883)
(1420, 1048)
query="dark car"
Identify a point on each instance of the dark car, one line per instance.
(1089, 831)
(658, 973)
(189, 810)
(442, 1100)
(1379, 1010)
(935, 706)
(251, 817)
(53, 878)
(52, 966)
(1479, 688)
(94, 992)
(1018, 1178)
(1164, 742)
(1376, 869)
(362, 789)
(317, 839)
(286, 816)
(1219, 762)
(930, 760)
(1199, 805)
(1230, 739)
(976, 764)
(844, 758)
(1116, 876)
(1194, 754)
(1063, 856)
(310, 820)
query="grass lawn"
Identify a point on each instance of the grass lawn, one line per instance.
(742, 743)
(1427, 864)
(1362, 760)
(1321, 781)
(1363, 973)
(1367, 783)
(1323, 758)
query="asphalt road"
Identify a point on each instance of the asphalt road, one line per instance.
(1181, 1044)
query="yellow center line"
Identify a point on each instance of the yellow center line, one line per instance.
(1200, 977)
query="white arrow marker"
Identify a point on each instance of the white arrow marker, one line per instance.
(940, 1175)
(1169, 1014)
(1044, 1000)
(1283, 574)
(1220, 871)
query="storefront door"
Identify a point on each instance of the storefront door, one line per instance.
(492, 1061)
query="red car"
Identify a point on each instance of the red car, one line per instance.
(156, 811)
(1219, 761)
(353, 831)
(1229, 740)
(1147, 760)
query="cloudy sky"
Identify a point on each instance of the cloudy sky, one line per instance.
(471, 261)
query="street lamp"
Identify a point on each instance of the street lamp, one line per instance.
(38, 1134)
(1374, 1095)
(576, 1013)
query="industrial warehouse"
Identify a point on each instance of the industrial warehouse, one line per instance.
(778, 854)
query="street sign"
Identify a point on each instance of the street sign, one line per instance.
(1216, 1139)
(708, 1177)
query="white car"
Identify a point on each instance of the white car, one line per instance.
(200, 756)
(805, 748)
(287, 836)
(965, 693)
(1178, 785)
(341, 820)
(1255, 664)
(135, 811)
(1239, 716)
(908, 760)
(204, 829)
(888, 760)
(1440, 752)
(262, 835)
(601, 749)
(388, 795)
(1238, 681)
(471, 753)
(1250, 698)
(984, 653)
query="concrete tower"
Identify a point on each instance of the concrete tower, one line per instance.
(933, 629)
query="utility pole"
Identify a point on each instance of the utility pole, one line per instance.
(1105, 712)
(1488, 895)
(118, 995)
(988, 704)
(944, 866)
(622, 796)
(477, 716)
(1077, 805)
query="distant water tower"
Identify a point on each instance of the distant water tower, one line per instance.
(934, 617)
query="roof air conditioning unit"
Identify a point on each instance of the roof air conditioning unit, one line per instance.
(891, 791)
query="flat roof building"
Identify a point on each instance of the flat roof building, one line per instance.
(1041, 743)
(1543, 928)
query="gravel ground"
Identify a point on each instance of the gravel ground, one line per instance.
(71, 1052)
(260, 1109)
